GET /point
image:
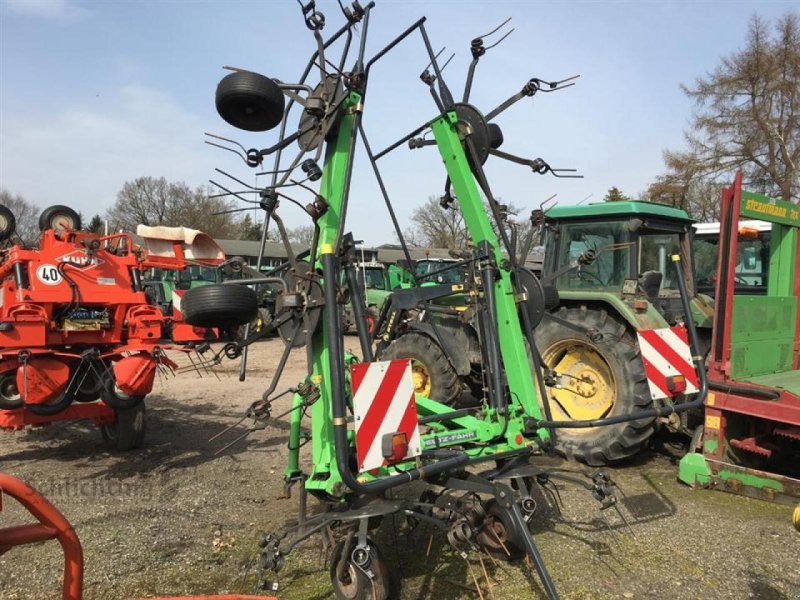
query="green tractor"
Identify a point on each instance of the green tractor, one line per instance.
(610, 263)
(607, 276)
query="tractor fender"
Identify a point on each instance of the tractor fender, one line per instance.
(452, 340)
(648, 318)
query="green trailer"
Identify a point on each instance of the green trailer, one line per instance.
(749, 441)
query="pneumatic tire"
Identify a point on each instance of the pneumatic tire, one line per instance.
(60, 218)
(8, 223)
(219, 305)
(127, 431)
(250, 101)
(605, 366)
(434, 376)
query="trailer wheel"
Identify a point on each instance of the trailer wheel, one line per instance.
(53, 407)
(60, 218)
(127, 431)
(602, 375)
(219, 305)
(498, 535)
(350, 582)
(9, 394)
(434, 376)
(90, 388)
(8, 223)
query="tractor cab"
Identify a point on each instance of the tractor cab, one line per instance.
(619, 249)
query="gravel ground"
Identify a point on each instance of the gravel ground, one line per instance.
(176, 518)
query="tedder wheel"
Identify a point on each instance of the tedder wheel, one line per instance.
(371, 316)
(8, 223)
(115, 397)
(498, 535)
(60, 218)
(9, 394)
(128, 429)
(433, 374)
(600, 376)
(350, 582)
(250, 101)
(219, 305)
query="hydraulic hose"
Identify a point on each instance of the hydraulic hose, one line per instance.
(339, 404)
(697, 360)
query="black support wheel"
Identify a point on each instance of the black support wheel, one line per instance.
(250, 101)
(8, 223)
(127, 431)
(434, 376)
(499, 535)
(353, 582)
(600, 373)
(219, 305)
(9, 394)
(60, 218)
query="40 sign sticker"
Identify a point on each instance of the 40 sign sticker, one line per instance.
(48, 274)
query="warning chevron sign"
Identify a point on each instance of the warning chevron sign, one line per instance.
(383, 404)
(668, 361)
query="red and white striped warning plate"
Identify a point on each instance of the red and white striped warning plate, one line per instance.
(383, 402)
(666, 353)
(177, 296)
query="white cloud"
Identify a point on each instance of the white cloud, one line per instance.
(82, 155)
(63, 11)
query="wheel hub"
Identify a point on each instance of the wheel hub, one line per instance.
(421, 378)
(586, 387)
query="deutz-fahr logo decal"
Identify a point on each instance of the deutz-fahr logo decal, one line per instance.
(81, 260)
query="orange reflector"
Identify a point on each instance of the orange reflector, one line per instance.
(394, 446)
(749, 233)
(640, 304)
(676, 384)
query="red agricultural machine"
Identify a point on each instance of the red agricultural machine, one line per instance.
(79, 336)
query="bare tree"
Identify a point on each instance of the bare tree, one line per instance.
(747, 117)
(155, 201)
(436, 226)
(26, 214)
(698, 197)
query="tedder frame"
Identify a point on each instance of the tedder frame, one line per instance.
(487, 509)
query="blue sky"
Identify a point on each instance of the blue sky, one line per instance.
(93, 94)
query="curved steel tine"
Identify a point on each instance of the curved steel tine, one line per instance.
(223, 188)
(224, 139)
(247, 185)
(236, 152)
(555, 86)
(495, 30)
(501, 39)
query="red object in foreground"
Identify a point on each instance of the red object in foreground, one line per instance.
(53, 525)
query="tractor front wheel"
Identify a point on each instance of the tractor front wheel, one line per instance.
(127, 431)
(599, 373)
(434, 376)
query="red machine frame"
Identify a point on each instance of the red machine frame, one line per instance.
(118, 332)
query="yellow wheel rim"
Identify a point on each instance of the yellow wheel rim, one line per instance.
(422, 378)
(587, 389)
(796, 517)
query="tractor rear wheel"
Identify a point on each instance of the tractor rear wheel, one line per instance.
(601, 374)
(127, 431)
(434, 376)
